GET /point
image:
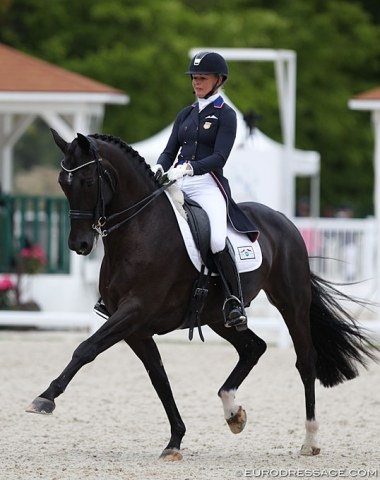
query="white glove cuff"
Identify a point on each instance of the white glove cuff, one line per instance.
(189, 169)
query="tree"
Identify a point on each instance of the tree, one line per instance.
(141, 48)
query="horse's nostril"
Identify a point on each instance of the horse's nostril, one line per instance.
(80, 247)
(84, 248)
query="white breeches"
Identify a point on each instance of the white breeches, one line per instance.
(203, 190)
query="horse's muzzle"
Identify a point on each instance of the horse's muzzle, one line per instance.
(81, 246)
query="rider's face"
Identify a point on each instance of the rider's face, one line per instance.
(203, 83)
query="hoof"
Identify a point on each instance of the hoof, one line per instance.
(309, 451)
(41, 405)
(170, 455)
(238, 421)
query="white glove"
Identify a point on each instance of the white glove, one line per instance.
(157, 168)
(180, 171)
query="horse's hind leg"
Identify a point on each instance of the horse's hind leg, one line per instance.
(148, 353)
(306, 361)
(296, 312)
(250, 347)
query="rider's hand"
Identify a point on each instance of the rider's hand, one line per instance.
(157, 170)
(180, 171)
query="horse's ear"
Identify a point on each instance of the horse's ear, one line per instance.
(59, 141)
(83, 142)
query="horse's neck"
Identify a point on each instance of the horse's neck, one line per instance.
(139, 238)
(133, 185)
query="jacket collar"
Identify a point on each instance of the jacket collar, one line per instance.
(218, 103)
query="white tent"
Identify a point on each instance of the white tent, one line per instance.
(254, 166)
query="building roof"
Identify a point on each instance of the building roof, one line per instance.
(373, 94)
(369, 100)
(24, 73)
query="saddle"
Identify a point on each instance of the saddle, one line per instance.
(199, 225)
(194, 225)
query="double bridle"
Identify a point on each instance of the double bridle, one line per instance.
(98, 214)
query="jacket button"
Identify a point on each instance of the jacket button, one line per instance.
(196, 143)
(192, 157)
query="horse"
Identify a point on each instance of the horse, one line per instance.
(146, 280)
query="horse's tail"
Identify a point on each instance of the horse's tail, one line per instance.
(341, 344)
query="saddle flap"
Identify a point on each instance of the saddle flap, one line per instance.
(247, 253)
(200, 228)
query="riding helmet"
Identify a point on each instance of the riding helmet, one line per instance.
(208, 62)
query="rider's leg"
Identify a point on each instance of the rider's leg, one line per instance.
(233, 308)
(101, 309)
(204, 191)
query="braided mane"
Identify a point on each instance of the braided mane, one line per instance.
(131, 152)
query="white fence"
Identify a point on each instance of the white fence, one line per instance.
(341, 249)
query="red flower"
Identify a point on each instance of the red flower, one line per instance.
(6, 284)
(33, 259)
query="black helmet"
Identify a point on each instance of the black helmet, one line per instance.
(208, 62)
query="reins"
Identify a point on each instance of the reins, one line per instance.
(99, 211)
(144, 202)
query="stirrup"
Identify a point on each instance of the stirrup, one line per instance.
(233, 313)
(101, 310)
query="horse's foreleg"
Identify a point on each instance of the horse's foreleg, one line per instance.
(148, 353)
(250, 347)
(108, 334)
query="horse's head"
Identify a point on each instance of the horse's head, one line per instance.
(88, 186)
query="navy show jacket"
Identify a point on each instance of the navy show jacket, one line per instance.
(205, 139)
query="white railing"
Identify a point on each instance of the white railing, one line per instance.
(340, 249)
(344, 250)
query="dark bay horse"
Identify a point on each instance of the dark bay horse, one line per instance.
(146, 281)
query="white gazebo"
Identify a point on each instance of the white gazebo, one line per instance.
(31, 88)
(69, 103)
(370, 101)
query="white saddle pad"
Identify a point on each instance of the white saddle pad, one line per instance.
(247, 254)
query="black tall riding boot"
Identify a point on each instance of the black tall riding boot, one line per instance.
(101, 309)
(233, 308)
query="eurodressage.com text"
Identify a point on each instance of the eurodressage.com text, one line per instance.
(309, 473)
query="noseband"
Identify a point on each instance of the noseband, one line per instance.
(98, 215)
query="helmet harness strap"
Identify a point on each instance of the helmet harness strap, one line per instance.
(215, 87)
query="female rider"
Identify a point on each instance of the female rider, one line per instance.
(203, 134)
